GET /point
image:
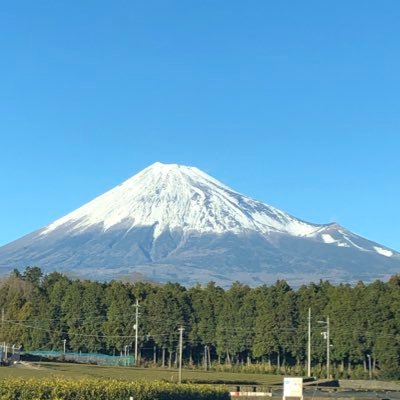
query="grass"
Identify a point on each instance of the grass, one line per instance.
(81, 371)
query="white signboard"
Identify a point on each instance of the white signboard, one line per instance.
(292, 387)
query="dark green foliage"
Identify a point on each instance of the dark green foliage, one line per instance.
(168, 309)
(119, 316)
(234, 329)
(242, 325)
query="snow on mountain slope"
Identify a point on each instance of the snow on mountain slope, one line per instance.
(336, 235)
(176, 223)
(175, 197)
(171, 197)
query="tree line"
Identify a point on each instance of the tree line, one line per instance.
(239, 327)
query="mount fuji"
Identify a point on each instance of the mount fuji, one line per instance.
(176, 223)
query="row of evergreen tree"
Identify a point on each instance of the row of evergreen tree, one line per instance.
(267, 325)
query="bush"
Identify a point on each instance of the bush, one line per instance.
(64, 389)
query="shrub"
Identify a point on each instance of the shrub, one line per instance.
(64, 389)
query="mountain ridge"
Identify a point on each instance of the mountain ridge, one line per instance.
(170, 217)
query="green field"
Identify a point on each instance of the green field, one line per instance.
(80, 371)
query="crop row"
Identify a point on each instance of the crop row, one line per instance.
(64, 389)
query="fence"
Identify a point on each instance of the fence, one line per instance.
(86, 358)
(9, 353)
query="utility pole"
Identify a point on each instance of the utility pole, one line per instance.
(309, 345)
(369, 366)
(64, 344)
(136, 330)
(328, 345)
(2, 321)
(181, 329)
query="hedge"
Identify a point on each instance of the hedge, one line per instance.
(91, 389)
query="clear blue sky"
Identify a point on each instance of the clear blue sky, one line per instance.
(295, 103)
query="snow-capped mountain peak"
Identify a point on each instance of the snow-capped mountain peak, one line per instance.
(172, 196)
(173, 222)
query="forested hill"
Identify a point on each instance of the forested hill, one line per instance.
(267, 324)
